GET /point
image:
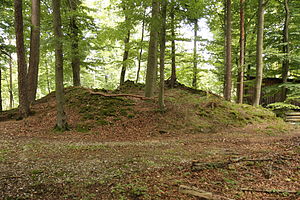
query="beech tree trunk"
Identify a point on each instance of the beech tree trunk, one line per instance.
(195, 70)
(152, 52)
(1, 106)
(24, 108)
(173, 46)
(34, 57)
(141, 49)
(11, 96)
(75, 55)
(286, 48)
(61, 122)
(125, 58)
(162, 54)
(228, 67)
(240, 85)
(259, 53)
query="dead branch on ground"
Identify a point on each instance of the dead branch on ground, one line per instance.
(118, 95)
(200, 193)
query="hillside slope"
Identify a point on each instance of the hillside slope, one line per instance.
(130, 117)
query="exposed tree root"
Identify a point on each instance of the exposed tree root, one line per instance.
(118, 95)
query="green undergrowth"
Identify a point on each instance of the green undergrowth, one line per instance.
(209, 113)
(100, 109)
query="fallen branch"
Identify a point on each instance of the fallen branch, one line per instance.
(198, 166)
(118, 95)
(200, 193)
(271, 191)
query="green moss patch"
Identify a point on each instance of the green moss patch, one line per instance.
(99, 108)
(211, 113)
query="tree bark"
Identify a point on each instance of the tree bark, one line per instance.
(34, 57)
(75, 55)
(195, 70)
(141, 49)
(11, 96)
(228, 67)
(61, 122)
(24, 109)
(1, 106)
(125, 58)
(240, 85)
(286, 48)
(259, 53)
(162, 54)
(173, 46)
(152, 52)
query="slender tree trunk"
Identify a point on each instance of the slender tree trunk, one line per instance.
(75, 55)
(11, 96)
(240, 86)
(125, 58)
(162, 54)
(173, 46)
(195, 70)
(286, 48)
(1, 106)
(61, 123)
(152, 52)
(228, 68)
(141, 49)
(225, 37)
(259, 53)
(34, 58)
(47, 77)
(24, 109)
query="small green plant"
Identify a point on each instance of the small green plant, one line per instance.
(230, 181)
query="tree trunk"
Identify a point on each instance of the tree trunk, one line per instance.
(224, 31)
(61, 123)
(195, 70)
(259, 53)
(173, 46)
(24, 109)
(240, 85)
(162, 54)
(286, 48)
(11, 96)
(228, 67)
(152, 52)
(125, 58)
(1, 106)
(47, 76)
(34, 58)
(141, 49)
(75, 55)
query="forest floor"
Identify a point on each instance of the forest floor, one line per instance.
(136, 157)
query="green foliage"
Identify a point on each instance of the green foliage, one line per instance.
(282, 106)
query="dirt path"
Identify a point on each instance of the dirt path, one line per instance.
(66, 167)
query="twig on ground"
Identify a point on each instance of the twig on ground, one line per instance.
(270, 191)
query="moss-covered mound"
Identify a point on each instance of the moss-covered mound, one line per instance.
(186, 112)
(101, 109)
(211, 113)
